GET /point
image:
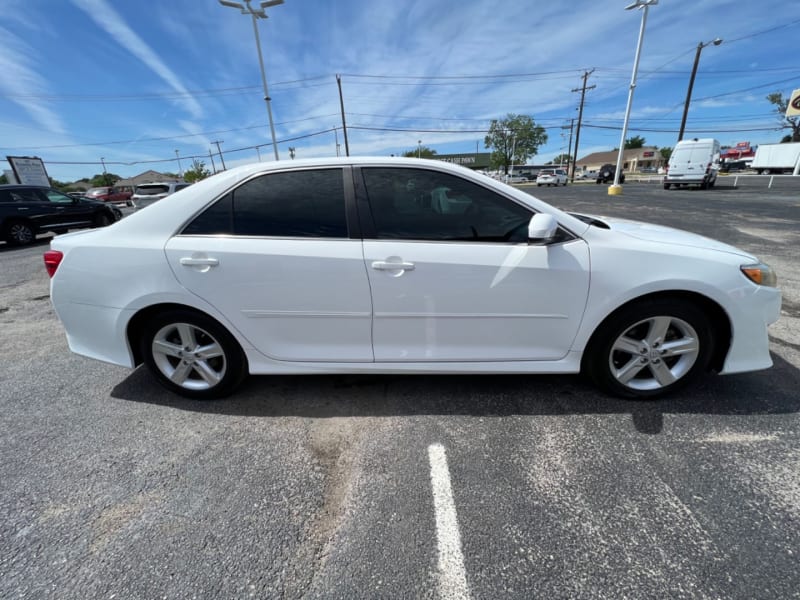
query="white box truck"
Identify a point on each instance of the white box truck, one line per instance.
(693, 162)
(776, 158)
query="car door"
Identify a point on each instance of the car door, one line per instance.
(275, 257)
(459, 281)
(69, 212)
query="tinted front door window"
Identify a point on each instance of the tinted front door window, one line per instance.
(429, 205)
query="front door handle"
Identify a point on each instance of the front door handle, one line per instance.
(382, 265)
(199, 262)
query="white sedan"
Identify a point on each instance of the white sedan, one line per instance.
(363, 265)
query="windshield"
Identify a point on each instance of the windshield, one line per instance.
(97, 191)
(151, 190)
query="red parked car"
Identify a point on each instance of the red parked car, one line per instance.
(108, 194)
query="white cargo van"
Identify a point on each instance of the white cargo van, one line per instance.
(693, 162)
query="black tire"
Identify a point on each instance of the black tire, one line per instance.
(19, 233)
(181, 337)
(102, 220)
(667, 186)
(648, 368)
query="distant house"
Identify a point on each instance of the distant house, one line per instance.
(634, 159)
(146, 177)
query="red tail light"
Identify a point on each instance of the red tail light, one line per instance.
(52, 258)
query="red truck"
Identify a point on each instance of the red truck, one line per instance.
(109, 194)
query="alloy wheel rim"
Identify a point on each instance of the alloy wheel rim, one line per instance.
(654, 353)
(21, 233)
(189, 356)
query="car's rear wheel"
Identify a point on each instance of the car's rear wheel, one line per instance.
(19, 233)
(193, 355)
(650, 348)
(102, 220)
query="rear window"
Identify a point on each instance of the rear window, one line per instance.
(151, 190)
(96, 191)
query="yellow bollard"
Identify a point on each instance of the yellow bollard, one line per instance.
(615, 190)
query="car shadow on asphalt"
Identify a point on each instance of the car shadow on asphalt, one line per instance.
(42, 240)
(325, 396)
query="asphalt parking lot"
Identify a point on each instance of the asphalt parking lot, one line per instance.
(407, 486)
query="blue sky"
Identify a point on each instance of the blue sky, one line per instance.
(134, 81)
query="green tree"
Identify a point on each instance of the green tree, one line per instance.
(793, 123)
(636, 141)
(420, 152)
(561, 159)
(197, 172)
(61, 186)
(3, 179)
(665, 152)
(514, 140)
(104, 179)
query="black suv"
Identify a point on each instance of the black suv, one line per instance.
(606, 174)
(26, 210)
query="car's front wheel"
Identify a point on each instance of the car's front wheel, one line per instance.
(193, 355)
(650, 348)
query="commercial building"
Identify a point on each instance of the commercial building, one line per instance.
(644, 159)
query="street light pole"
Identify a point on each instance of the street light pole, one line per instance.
(419, 148)
(259, 14)
(700, 46)
(616, 189)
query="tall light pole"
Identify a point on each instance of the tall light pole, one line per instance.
(180, 168)
(700, 46)
(419, 148)
(259, 14)
(616, 189)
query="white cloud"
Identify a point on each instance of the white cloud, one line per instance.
(110, 21)
(22, 83)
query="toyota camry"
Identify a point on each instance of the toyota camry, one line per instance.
(388, 265)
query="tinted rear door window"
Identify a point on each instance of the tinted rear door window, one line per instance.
(293, 204)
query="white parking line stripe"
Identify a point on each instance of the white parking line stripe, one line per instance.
(452, 576)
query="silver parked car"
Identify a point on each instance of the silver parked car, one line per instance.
(147, 193)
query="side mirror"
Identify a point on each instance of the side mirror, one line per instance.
(542, 228)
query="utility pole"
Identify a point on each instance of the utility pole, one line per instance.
(344, 123)
(221, 158)
(582, 90)
(213, 166)
(569, 146)
(180, 168)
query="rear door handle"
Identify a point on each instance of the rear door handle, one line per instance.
(199, 262)
(382, 265)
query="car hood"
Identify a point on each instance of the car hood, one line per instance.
(667, 235)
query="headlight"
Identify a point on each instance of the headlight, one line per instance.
(760, 274)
